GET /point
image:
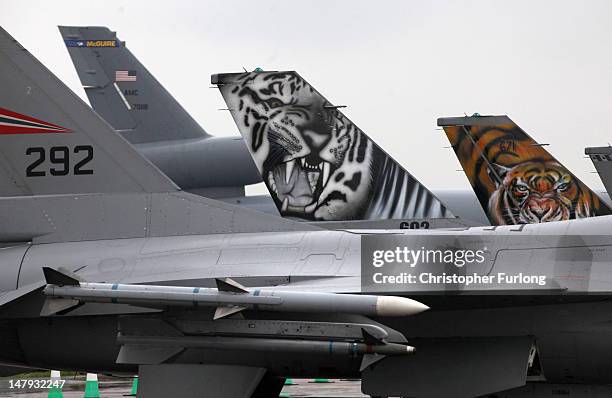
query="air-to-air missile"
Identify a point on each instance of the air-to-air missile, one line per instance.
(64, 291)
(328, 347)
(350, 340)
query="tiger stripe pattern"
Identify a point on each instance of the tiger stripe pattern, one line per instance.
(516, 180)
(316, 163)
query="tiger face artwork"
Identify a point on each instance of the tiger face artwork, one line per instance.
(536, 192)
(316, 163)
(516, 180)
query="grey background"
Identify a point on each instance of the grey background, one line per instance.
(398, 65)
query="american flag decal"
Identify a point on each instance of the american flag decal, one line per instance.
(125, 76)
(15, 123)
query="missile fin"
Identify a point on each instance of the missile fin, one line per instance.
(54, 305)
(222, 312)
(369, 360)
(60, 278)
(370, 339)
(230, 286)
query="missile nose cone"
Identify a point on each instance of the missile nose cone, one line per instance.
(398, 306)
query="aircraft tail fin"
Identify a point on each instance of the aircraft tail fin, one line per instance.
(52, 143)
(66, 175)
(602, 160)
(515, 179)
(123, 91)
(316, 163)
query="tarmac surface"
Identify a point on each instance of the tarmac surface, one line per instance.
(115, 388)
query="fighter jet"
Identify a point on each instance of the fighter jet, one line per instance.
(83, 206)
(111, 267)
(287, 108)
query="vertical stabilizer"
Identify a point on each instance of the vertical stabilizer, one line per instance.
(316, 163)
(66, 175)
(123, 91)
(51, 141)
(516, 180)
(602, 160)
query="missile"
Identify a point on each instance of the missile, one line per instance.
(316, 347)
(349, 340)
(133, 348)
(65, 291)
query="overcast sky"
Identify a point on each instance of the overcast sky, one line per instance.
(397, 65)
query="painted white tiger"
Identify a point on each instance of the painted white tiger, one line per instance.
(316, 163)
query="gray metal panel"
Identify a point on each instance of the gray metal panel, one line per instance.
(199, 259)
(181, 213)
(76, 217)
(261, 203)
(464, 204)
(11, 264)
(60, 218)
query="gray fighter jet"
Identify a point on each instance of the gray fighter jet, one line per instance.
(71, 185)
(110, 267)
(515, 178)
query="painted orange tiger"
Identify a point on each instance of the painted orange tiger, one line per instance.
(516, 180)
